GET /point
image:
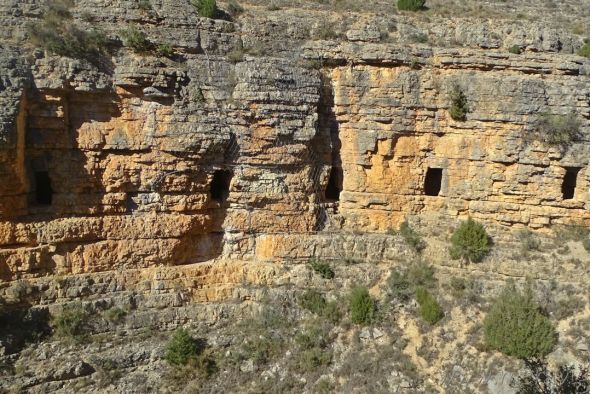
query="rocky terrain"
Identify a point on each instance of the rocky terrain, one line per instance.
(163, 169)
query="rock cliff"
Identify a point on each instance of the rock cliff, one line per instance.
(292, 131)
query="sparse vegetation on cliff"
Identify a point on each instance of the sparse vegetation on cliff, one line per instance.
(322, 268)
(470, 242)
(58, 33)
(205, 8)
(411, 237)
(516, 327)
(566, 379)
(136, 39)
(556, 129)
(410, 5)
(71, 322)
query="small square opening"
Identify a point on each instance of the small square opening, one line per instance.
(568, 187)
(433, 181)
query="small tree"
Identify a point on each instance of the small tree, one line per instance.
(516, 327)
(205, 8)
(470, 242)
(362, 306)
(181, 348)
(410, 5)
(459, 107)
(430, 310)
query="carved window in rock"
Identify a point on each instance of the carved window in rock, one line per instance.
(219, 188)
(43, 189)
(433, 181)
(568, 187)
(334, 186)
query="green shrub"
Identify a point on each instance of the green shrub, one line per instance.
(430, 310)
(71, 322)
(411, 237)
(136, 39)
(165, 50)
(311, 359)
(585, 50)
(557, 130)
(205, 8)
(322, 268)
(59, 34)
(398, 286)
(144, 5)
(115, 314)
(362, 306)
(470, 242)
(410, 5)
(459, 107)
(515, 49)
(181, 348)
(516, 327)
(234, 8)
(315, 302)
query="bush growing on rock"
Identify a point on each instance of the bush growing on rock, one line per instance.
(585, 50)
(182, 348)
(314, 301)
(136, 39)
(322, 268)
(470, 242)
(411, 237)
(410, 5)
(205, 8)
(459, 107)
(430, 310)
(71, 322)
(362, 306)
(57, 33)
(516, 327)
(557, 130)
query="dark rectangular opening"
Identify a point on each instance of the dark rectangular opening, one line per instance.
(568, 187)
(220, 185)
(43, 190)
(334, 186)
(433, 181)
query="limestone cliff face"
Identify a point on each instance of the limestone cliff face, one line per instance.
(143, 161)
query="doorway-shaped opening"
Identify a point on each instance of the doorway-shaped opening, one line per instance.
(433, 181)
(334, 186)
(219, 187)
(43, 189)
(568, 187)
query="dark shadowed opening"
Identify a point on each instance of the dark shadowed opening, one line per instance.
(334, 184)
(433, 181)
(220, 185)
(568, 188)
(43, 190)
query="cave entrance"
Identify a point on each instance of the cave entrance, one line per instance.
(219, 188)
(433, 181)
(334, 186)
(43, 189)
(568, 187)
